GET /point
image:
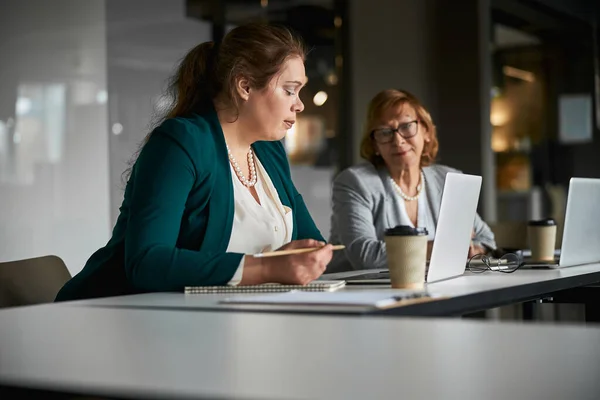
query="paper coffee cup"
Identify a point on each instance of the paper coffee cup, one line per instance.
(542, 237)
(406, 249)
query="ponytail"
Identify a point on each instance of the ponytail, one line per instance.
(194, 85)
(257, 51)
(191, 89)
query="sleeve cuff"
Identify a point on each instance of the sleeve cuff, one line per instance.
(237, 277)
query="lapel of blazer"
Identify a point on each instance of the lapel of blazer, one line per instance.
(265, 152)
(391, 206)
(274, 164)
(221, 202)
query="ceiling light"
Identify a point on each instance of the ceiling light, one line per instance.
(320, 98)
(518, 73)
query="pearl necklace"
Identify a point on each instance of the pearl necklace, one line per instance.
(253, 178)
(405, 196)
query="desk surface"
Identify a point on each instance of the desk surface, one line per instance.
(183, 354)
(467, 293)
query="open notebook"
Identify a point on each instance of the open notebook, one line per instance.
(314, 286)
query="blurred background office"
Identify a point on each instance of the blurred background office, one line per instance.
(513, 87)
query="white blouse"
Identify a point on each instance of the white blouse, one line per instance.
(257, 227)
(424, 215)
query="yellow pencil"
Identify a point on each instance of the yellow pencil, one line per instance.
(294, 251)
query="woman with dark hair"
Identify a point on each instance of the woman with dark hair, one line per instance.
(211, 185)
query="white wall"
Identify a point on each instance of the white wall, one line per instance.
(314, 184)
(145, 41)
(54, 151)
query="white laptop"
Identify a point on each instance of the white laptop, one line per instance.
(581, 235)
(454, 227)
(452, 236)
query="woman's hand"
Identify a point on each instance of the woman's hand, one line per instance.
(475, 249)
(295, 269)
(299, 269)
(301, 244)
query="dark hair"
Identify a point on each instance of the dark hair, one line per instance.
(255, 51)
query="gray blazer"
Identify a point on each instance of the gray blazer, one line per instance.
(365, 205)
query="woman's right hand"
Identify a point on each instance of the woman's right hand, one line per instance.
(298, 269)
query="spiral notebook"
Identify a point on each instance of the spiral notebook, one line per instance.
(315, 286)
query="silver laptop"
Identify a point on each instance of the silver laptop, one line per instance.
(455, 226)
(452, 236)
(581, 235)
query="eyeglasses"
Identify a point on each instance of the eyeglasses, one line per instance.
(386, 135)
(508, 263)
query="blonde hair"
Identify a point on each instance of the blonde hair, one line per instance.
(392, 98)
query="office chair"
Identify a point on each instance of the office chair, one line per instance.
(31, 281)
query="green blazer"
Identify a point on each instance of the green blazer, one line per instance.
(177, 214)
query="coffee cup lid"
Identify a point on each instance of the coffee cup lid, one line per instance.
(542, 222)
(405, 230)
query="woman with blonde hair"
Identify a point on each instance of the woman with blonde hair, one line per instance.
(399, 185)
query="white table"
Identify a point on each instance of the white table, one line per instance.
(183, 354)
(467, 293)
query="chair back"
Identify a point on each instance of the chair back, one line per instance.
(510, 234)
(31, 281)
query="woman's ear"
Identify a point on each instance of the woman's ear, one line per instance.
(427, 139)
(426, 134)
(376, 149)
(242, 87)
